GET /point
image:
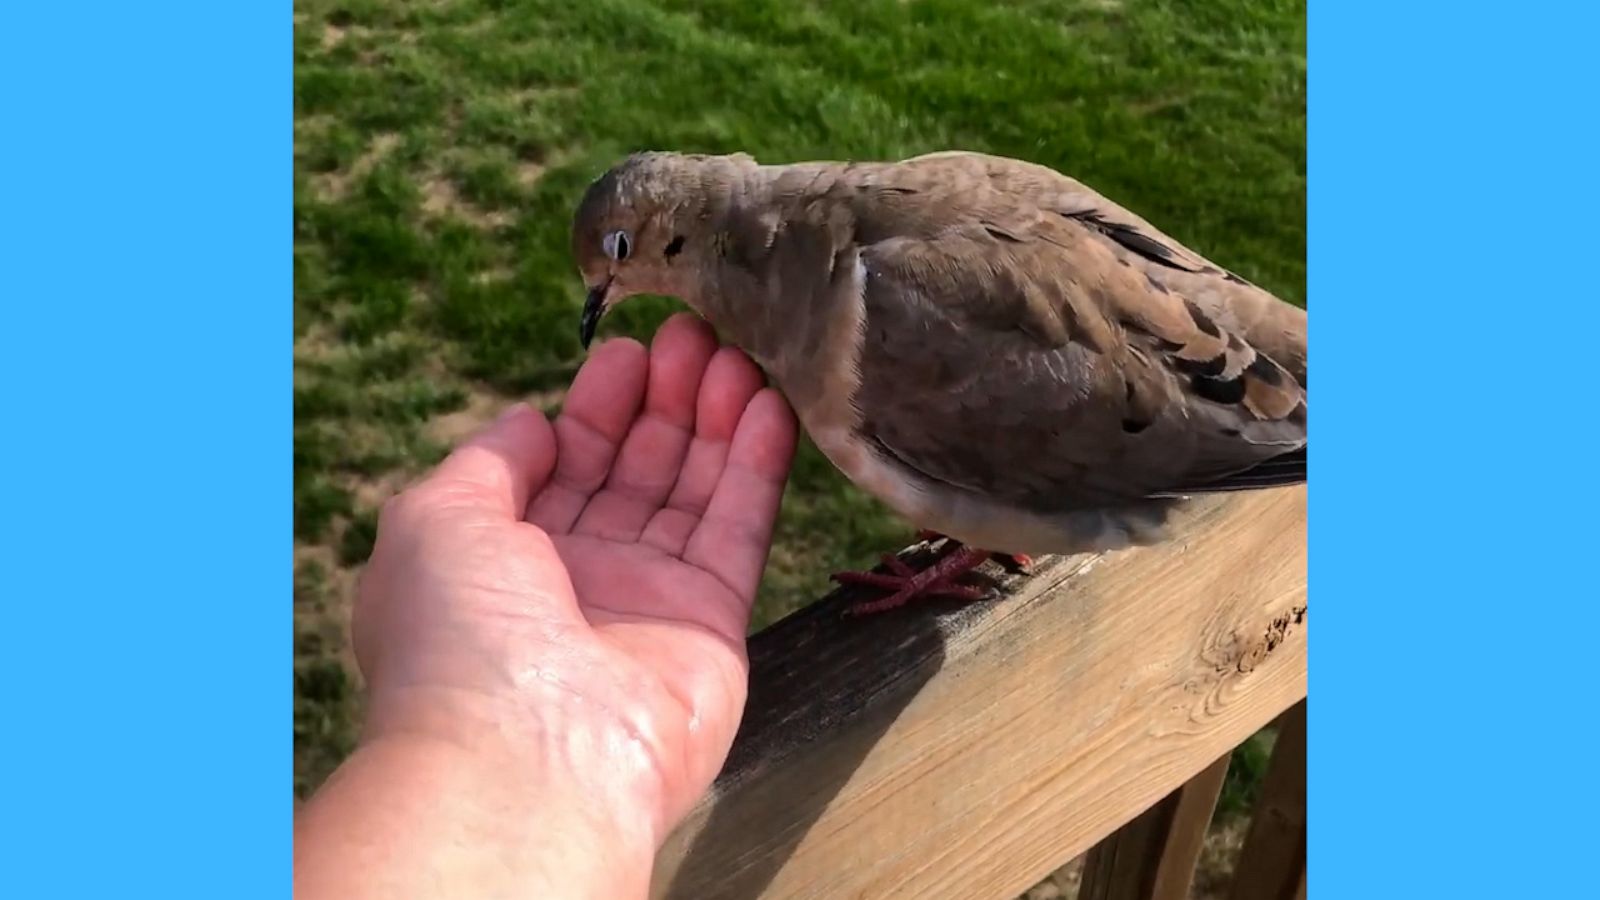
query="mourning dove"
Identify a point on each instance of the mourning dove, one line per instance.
(997, 352)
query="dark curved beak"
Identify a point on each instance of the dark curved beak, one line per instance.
(594, 306)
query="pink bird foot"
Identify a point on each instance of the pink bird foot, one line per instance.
(941, 579)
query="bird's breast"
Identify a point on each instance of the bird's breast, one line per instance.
(851, 454)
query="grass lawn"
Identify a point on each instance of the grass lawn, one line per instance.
(440, 147)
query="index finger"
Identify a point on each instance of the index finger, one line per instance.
(595, 417)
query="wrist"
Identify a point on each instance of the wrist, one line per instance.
(437, 818)
(533, 750)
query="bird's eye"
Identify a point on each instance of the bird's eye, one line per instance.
(616, 245)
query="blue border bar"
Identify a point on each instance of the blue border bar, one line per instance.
(144, 345)
(145, 332)
(1453, 508)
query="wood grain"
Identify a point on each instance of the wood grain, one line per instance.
(1272, 865)
(966, 751)
(1153, 857)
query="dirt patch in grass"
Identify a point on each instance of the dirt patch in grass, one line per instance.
(483, 405)
(372, 493)
(334, 35)
(334, 186)
(327, 600)
(529, 173)
(493, 274)
(453, 428)
(440, 198)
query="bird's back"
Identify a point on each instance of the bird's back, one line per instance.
(1010, 342)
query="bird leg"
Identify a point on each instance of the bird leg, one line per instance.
(941, 579)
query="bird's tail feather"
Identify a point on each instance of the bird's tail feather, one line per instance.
(1279, 471)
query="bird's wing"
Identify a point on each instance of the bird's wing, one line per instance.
(1027, 190)
(1057, 355)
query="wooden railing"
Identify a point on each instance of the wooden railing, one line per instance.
(967, 751)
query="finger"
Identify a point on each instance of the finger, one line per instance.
(647, 465)
(735, 533)
(730, 381)
(498, 469)
(599, 407)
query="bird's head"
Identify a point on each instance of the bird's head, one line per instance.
(629, 234)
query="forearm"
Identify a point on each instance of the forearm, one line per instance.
(419, 818)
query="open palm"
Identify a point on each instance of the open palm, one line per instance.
(585, 585)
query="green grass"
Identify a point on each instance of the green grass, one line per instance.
(440, 148)
(325, 696)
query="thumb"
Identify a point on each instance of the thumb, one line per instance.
(500, 468)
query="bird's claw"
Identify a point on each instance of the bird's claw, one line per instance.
(941, 579)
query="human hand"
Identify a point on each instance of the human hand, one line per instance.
(567, 603)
